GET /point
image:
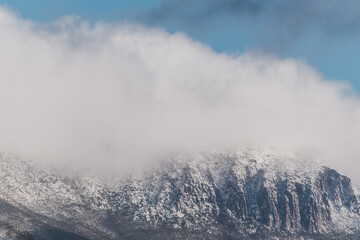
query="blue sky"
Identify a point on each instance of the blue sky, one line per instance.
(92, 10)
(325, 34)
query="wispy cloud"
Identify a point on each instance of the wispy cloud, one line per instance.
(190, 12)
(276, 21)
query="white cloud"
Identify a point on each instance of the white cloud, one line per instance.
(101, 94)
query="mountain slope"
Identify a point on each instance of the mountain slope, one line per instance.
(227, 195)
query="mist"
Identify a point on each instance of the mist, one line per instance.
(116, 93)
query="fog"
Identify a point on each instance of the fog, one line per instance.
(115, 94)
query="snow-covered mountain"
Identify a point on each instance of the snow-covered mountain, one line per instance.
(243, 194)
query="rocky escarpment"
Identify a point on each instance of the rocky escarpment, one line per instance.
(228, 195)
(244, 192)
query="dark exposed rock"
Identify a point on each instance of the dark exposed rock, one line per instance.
(246, 194)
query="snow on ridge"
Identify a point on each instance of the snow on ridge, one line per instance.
(187, 190)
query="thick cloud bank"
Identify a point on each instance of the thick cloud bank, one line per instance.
(108, 92)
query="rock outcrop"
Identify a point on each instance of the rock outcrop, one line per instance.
(244, 190)
(230, 195)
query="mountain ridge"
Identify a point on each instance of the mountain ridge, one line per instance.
(211, 195)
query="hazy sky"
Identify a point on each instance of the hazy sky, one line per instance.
(105, 92)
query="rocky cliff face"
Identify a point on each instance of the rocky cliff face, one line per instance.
(232, 195)
(244, 191)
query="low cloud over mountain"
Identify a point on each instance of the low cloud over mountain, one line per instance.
(111, 93)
